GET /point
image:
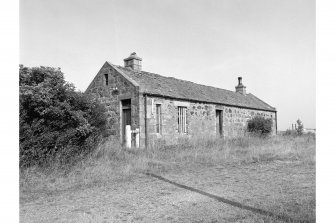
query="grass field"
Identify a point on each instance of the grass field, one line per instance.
(275, 175)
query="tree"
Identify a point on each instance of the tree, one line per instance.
(260, 125)
(55, 119)
(300, 128)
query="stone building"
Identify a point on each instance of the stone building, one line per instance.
(144, 107)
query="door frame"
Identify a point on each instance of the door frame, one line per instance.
(124, 105)
(220, 112)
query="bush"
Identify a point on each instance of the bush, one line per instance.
(55, 120)
(300, 129)
(260, 125)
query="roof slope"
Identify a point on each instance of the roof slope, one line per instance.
(175, 88)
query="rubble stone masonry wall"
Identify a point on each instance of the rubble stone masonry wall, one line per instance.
(110, 95)
(200, 121)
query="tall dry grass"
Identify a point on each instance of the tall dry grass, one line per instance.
(111, 162)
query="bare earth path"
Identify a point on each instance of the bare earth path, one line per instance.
(283, 188)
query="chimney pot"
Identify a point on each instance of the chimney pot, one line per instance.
(239, 80)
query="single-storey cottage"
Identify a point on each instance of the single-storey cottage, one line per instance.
(144, 107)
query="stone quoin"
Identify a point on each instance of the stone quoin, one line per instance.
(156, 107)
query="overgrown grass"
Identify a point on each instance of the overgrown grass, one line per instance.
(112, 162)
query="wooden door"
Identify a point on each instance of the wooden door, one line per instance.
(219, 123)
(126, 120)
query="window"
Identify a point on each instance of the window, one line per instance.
(106, 79)
(182, 120)
(158, 119)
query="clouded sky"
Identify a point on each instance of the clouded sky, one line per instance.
(270, 43)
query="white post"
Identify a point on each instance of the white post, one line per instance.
(128, 136)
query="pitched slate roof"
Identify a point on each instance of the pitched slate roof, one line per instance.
(156, 84)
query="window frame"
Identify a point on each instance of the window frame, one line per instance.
(106, 79)
(159, 119)
(182, 120)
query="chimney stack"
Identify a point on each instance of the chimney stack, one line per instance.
(134, 62)
(240, 88)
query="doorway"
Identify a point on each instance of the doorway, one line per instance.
(219, 123)
(126, 117)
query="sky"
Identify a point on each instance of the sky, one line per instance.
(270, 43)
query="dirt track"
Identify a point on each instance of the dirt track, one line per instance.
(279, 187)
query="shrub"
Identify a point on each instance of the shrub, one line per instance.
(300, 128)
(55, 120)
(260, 125)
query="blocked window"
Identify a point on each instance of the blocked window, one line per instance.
(182, 120)
(106, 79)
(158, 119)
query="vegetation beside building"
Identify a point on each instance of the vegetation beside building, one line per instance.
(57, 123)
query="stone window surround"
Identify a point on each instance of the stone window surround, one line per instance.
(158, 119)
(182, 119)
(106, 79)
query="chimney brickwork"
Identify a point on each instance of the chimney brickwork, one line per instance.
(240, 88)
(134, 62)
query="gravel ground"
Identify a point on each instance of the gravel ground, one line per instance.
(284, 188)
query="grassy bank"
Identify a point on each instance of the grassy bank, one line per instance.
(112, 162)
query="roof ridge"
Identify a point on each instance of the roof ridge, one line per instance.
(191, 82)
(175, 78)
